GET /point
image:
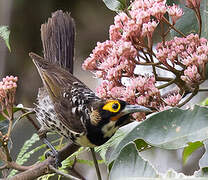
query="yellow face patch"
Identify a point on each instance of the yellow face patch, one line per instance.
(112, 106)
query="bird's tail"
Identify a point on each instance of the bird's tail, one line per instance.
(58, 36)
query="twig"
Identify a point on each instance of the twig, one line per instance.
(203, 90)
(164, 79)
(3, 155)
(62, 174)
(9, 158)
(198, 17)
(142, 57)
(10, 127)
(161, 67)
(166, 21)
(162, 33)
(96, 164)
(148, 64)
(166, 85)
(30, 119)
(147, 59)
(3, 167)
(36, 171)
(14, 165)
(189, 98)
(42, 168)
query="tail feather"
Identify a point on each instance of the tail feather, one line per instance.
(58, 36)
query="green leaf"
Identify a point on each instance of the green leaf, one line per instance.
(203, 162)
(4, 122)
(46, 177)
(141, 144)
(4, 34)
(192, 146)
(170, 129)
(17, 108)
(129, 164)
(203, 172)
(171, 2)
(68, 162)
(86, 162)
(204, 102)
(115, 5)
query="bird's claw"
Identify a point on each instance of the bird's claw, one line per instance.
(55, 155)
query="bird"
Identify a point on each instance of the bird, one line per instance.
(68, 107)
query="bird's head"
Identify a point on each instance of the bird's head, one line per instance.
(108, 115)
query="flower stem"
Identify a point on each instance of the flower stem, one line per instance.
(96, 164)
(166, 85)
(190, 97)
(166, 21)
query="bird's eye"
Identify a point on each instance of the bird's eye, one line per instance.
(115, 106)
(112, 106)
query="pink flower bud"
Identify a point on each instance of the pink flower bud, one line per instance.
(4, 87)
(14, 85)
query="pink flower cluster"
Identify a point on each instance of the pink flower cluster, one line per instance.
(190, 52)
(139, 23)
(111, 60)
(130, 44)
(8, 87)
(175, 13)
(115, 58)
(140, 90)
(173, 100)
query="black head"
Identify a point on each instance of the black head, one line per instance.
(107, 116)
(116, 110)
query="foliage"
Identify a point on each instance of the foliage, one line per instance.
(190, 149)
(4, 34)
(129, 164)
(166, 133)
(115, 5)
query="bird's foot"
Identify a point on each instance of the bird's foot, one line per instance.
(55, 155)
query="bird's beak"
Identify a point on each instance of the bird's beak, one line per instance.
(134, 108)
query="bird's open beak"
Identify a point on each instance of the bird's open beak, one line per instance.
(134, 108)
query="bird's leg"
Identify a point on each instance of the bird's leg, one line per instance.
(53, 152)
(50, 146)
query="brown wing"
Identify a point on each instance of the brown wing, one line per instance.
(70, 96)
